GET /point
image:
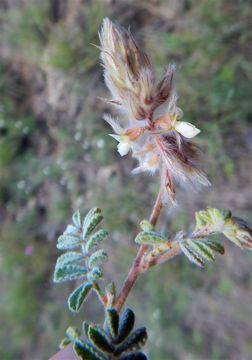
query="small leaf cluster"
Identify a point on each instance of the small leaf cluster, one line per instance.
(200, 251)
(116, 340)
(234, 228)
(86, 260)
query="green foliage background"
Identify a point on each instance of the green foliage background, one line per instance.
(55, 157)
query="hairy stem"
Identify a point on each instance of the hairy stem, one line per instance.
(135, 269)
(174, 251)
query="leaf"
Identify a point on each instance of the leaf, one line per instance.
(126, 324)
(78, 296)
(86, 351)
(97, 258)
(134, 342)
(68, 242)
(217, 247)
(112, 321)
(68, 258)
(73, 333)
(99, 338)
(95, 274)
(146, 225)
(194, 258)
(134, 356)
(150, 238)
(69, 272)
(71, 230)
(77, 219)
(202, 249)
(92, 219)
(95, 239)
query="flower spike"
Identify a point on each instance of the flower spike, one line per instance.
(150, 123)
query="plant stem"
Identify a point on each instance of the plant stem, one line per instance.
(174, 251)
(135, 269)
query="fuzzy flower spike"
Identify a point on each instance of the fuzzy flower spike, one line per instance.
(150, 125)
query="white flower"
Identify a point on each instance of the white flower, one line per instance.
(125, 144)
(186, 129)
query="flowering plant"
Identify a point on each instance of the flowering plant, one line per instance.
(150, 127)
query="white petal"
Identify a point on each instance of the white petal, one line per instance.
(186, 129)
(123, 148)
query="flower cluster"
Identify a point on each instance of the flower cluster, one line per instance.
(150, 124)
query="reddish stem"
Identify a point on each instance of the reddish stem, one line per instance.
(135, 269)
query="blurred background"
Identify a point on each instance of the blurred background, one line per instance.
(56, 157)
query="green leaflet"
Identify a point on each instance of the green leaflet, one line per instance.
(134, 342)
(95, 239)
(112, 321)
(192, 256)
(97, 258)
(69, 272)
(72, 230)
(78, 296)
(134, 356)
(68, 242)
(146, 225)
(86, 351)
(68, 258)
(126, 324)
(95, 274)
(92, 219)
(77, 219)
(202, 249)
(217, 247)
(99, 338)
(149, 238)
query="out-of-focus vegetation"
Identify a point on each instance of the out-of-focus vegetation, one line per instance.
(55, 157)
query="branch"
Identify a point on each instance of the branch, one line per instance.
(135, 269)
